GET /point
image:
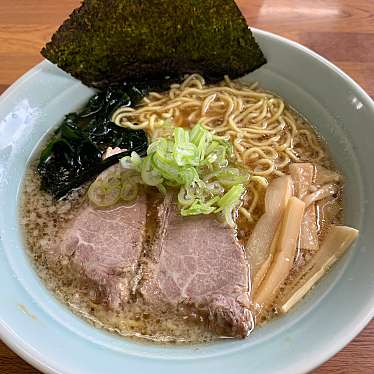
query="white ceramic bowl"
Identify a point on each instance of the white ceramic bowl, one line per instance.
(50, 337)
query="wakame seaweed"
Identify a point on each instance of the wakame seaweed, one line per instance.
(110, 41)
(74, 155)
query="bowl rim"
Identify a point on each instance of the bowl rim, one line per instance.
(36, 359)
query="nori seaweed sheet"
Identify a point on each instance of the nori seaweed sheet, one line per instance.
(110, 41)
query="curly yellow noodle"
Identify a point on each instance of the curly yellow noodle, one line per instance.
(266, 133)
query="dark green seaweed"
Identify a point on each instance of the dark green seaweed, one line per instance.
(109, 41)
(74, 155)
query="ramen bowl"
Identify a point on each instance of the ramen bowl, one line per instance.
(50, 337)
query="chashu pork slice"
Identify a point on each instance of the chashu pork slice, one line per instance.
(197, 262)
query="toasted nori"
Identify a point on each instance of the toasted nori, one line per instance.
(110, 41)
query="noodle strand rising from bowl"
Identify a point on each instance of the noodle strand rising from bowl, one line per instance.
(267, 134)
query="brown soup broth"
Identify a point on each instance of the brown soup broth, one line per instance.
(44, 221)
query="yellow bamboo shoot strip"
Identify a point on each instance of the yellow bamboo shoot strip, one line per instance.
(338, 240)
(325, 191)
(260, 275)
(284, 255)
(259, 243)
(302, 175)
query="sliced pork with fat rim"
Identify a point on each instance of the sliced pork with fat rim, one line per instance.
(198, 264)
(102, 248)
